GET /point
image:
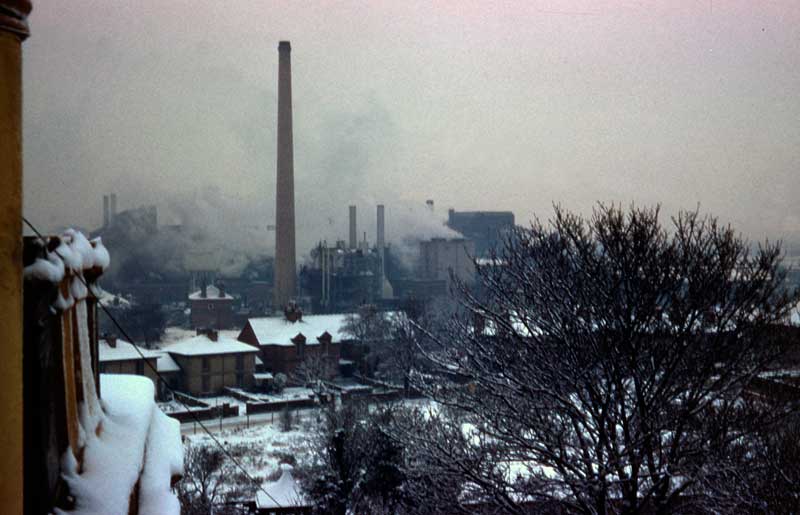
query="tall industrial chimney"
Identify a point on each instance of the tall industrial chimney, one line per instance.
(353, 234)
(105, 211)
(380, 236)
(113, 208)
(285, 269)
(380, 243)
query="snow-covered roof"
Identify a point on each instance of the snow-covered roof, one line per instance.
(283, 493)
(262, 376)
(166, 364)
(124, 351)
(279, 331)
(202, 345)
(212, 293)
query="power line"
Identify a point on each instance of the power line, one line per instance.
(155, 370)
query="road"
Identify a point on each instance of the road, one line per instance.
(262, 419)
(242, 421)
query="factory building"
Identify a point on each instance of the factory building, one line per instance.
(441, 256)
(347, 274)
(485, 228)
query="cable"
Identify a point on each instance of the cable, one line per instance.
(155, 370)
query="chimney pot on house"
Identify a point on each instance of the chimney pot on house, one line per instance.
(292, 312)
(111, 340)
(212, 334)
(221, 288)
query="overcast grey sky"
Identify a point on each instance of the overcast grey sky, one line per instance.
(478, 105)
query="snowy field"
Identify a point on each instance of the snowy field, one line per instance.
(261, 449)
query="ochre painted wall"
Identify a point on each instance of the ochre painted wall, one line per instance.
(11, 271)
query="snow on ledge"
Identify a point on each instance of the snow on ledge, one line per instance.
(135, 442)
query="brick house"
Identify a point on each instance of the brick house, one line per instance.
(117, 356)
(287, 341)
(211, 307)
(210, 362)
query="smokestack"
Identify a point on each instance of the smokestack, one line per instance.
(353, 237)
(285, 268)
(105, 211)
(379, 237)
(429, 203)
(113, 208)
(381, 245)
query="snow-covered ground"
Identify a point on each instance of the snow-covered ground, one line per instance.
(261, 449)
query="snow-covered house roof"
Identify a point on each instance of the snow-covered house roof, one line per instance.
(202, 345)
(283, 493)
(123, 351)
(212, 293)
(166, 364)
(279, 331)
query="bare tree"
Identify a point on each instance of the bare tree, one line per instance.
(211, 483)
(608, 367)
(287, 419)
(368, 325)
(312, 372)
(355, 467)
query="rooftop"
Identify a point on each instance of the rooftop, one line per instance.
(202, 345)
(166, 364)
(279, 331)
(212, 292)
(123, 351)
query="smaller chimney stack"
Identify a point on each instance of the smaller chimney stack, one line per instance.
(203, 287)
(113, 208)
(379, 237)
(221, 288)
(105, 211)
(353, 234)
(111, 339)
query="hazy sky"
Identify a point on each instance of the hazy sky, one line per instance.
(477, 105)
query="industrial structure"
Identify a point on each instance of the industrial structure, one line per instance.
(345, 275)
(285, 268)
(442, 259)
(485, 228)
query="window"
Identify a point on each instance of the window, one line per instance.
(206, 384)
(140, 368)
(239, 362)
(211, 306)
(301, 350)
(206, 364)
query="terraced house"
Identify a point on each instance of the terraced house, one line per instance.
(212, 361)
